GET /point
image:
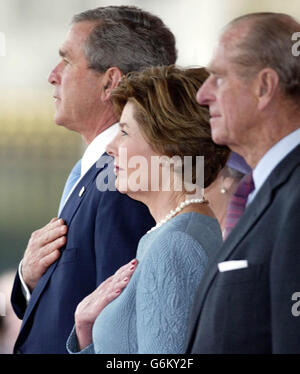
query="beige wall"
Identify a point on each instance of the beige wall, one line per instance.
(35, 154)
(35, 28)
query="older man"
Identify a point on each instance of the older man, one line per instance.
(247, 302)
(98, 231)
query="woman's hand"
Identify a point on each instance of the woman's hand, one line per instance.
(91, 306)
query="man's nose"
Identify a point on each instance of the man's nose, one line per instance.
(204, 94)
(54, 77)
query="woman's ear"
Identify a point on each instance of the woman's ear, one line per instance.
(226, 184)
(111, 80)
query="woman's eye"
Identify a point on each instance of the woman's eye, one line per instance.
(219, 81)
(123, 132)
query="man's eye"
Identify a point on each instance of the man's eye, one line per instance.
(123, 133)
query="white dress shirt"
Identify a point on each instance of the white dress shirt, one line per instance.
(91, 155)
(94, 151)
(271, 159)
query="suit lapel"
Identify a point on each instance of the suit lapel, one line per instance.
(246, 222)
(78, 195)
(252, 214)
(67, 214)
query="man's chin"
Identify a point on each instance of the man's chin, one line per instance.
(218, 138)
(58, 120)
(61, 122)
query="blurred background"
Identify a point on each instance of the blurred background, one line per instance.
(36, 155)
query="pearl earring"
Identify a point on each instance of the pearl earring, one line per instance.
(223, 190)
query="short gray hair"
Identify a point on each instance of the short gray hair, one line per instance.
(268, 43)
(128, 38)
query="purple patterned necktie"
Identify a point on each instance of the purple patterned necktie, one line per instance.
(237, 203)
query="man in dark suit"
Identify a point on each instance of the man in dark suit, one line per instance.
(99, 228)
(247, 300)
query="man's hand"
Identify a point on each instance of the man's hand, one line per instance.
(42, 250)
(90, 307)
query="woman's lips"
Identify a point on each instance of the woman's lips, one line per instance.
(116, 169)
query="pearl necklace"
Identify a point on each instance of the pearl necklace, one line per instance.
(172, 212)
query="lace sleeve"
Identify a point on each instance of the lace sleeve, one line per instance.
(172, 270)
(72, 345)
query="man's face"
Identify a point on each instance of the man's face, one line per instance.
(77, 88)
(230, 99)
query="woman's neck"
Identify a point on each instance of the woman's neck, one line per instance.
(161, 203)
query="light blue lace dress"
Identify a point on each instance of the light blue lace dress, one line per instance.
(151, 314)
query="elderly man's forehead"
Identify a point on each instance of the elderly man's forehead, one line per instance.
(220, 54)
(234, 34)
(228, 43)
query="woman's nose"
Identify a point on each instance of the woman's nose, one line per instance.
(112, 147)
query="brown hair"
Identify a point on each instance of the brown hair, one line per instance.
(269, 43)
(126, 37)
(171, 120)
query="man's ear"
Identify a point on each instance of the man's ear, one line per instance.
(266, 86)
(111, 80)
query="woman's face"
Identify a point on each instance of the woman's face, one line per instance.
(132, 155)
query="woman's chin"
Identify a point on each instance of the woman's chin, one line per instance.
(122, 191)
(121, 188)
(134, 193)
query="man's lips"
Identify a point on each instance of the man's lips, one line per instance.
(214, 117)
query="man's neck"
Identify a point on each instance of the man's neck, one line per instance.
(92, 130)
(264, 139)
(88, 138)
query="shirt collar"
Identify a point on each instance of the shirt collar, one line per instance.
(97, 147)
(272, 158)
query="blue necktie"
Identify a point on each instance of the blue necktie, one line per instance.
(72, 179)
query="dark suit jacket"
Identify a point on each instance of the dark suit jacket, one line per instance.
(103, 233)
(250, 310)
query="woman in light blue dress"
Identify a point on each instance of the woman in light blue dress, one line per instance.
(144, 307)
